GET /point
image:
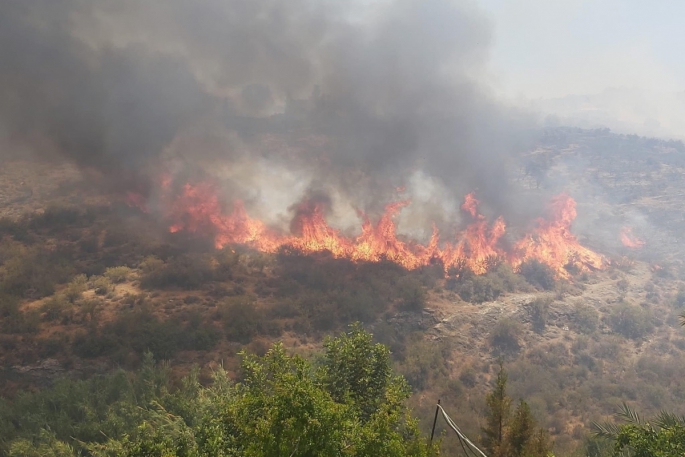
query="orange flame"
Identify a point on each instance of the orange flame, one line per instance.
(629, 240)
(553, 243)
(197, 209)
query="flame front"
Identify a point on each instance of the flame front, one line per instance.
(553, 243)
(198, 209)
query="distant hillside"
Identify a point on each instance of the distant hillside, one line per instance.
(88, 283)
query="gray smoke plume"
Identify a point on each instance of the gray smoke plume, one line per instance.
(347, 97)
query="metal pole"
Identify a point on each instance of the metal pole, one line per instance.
(435, 420)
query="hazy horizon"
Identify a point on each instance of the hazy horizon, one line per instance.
(612, 63)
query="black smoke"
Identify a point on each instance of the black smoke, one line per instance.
(392, 87)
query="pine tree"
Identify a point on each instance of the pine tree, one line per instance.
(499, 408)
(521, 431)
(539, 446)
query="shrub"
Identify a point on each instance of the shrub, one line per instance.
(242, 321)
(56, 218)
(140, 331)
(679, 300)
(412, 295)
(585, 318)
(57, 307)
(630, 321)
(468, 377)
(101, 285)
(480, 289)
(186, 272)
(510, 280)
(23, 322)
(117, 274)
(9, 305)
(505, 335)
(460, 271)
(538, 274)
(622, 285)
(76, 287)
(424, 361)
(34, 273)
(539, 311)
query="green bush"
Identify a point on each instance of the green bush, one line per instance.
(76, 287)
(57, 307)
(101, 285)
(117, 274)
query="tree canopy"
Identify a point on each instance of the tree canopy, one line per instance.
(350, 403)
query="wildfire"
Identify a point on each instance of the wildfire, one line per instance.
(198, 209)
(553, 243)
(629, 240)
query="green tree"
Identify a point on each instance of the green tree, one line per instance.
(662, 436)
(278, 409)
(497, 416)
(525, 439)
(521, 430)
(44, 445)
(648, 441)
(350, 404)
(357, 371)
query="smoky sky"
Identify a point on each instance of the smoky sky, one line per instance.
(393, 88)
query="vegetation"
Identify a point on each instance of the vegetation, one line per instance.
(630, 321)
(348, 404)
(508, 434)
(81, 292)
(662, 436)
(538, 274)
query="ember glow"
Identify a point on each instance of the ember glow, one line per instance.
(629, 240)
(198, 209)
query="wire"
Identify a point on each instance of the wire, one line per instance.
(461, 441)
(460, 435)
(463, 448)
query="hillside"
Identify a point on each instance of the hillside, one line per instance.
(90, 283)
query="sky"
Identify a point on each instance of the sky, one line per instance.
(626, 57)
(553, 48)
